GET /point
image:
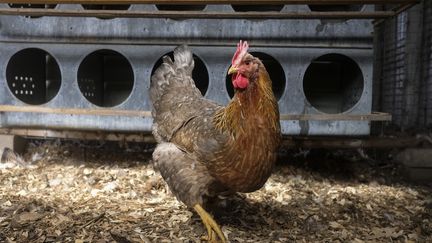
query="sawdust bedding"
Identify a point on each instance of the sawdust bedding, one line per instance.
(71, 191)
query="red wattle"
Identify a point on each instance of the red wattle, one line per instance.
(240, 81)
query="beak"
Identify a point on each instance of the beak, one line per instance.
(232, 70)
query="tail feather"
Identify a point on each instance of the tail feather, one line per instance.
(184, 59)
(177, 71)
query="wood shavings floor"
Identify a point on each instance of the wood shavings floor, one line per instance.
(81, 192)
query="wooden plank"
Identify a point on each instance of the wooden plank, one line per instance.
(376, 116)
(245, 2)
(74, 111)
(195, 14)
(288, 142)
(82, 135)
(403, 7)
(346, 142)
(397, 10)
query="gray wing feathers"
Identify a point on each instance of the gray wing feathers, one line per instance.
(188, 179)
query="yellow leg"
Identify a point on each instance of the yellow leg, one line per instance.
(212, 227)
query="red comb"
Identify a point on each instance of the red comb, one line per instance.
(242, 48)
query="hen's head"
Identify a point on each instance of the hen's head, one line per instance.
(244, 67)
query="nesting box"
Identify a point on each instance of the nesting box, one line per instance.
(86, 63)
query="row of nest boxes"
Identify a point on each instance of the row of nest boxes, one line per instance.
(84, 29)
(305, 81)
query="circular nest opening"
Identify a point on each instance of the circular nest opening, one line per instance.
(105, 78)
(333, 83)
(33, 76)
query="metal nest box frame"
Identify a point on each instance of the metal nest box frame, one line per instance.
(71, 65)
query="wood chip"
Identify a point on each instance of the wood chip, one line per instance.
(84, 192)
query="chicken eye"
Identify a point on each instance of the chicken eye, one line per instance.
(247, 63)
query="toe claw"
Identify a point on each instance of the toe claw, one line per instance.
(214, 233)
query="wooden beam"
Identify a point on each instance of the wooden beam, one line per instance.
(350, 143)
(74, 111)
(195, 14)
(244, 2)
(376, 116)
(82, 135)
(289, 142)
(403, 7)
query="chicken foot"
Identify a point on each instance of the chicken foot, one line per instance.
(213, 229)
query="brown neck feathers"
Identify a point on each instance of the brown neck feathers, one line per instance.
(252, 107)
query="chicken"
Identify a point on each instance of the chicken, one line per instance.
(8, 157)
(205, 149)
